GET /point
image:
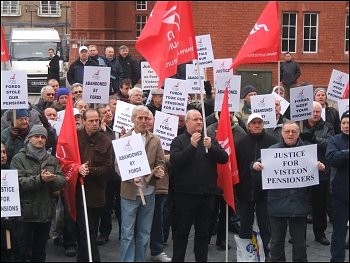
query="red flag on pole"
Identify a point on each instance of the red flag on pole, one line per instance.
(168, 40)
(346, 92)
(227, 173)
(263, 43)
(4, 51)
(69, 157)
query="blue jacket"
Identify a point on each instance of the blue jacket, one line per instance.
(75, 73)
(337, 156)
(289, 202)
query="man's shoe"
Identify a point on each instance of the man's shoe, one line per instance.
(101, 240)
(323, 241)
(221, 245)
(347, 245)
(71, 252)
(162, 257)
(309, 219)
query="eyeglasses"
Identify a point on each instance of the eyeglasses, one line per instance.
(78, 91)
(291, 131)
(140, 118)
(50, 94)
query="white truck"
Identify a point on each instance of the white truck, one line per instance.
(28, 49)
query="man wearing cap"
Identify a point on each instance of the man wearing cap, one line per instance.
(331, 114)
(76, 70)
(39, 176)
(156, 101)
(245, 105)
(252, 199)
(62, 98)
(337, 155)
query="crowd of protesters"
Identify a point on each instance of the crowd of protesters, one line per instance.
(181, 189)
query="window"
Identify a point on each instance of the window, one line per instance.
(347, 33)
(49, 8)
(10, 8)
(310, 33)
(141, 5)
(289, 32)
(140, 23)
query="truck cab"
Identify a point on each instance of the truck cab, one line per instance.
(29, 52)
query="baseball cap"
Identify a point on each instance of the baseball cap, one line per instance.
(83, 48)
(76, 111)
(157, 91)
(254, 116)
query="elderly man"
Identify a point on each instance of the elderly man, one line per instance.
(156, 101)
(135, 96)
(245, 105)
(131, 67)
(194, 160)
(39, 176)
(47, 98)
(136, 217)
(316, 130)
(288, 206)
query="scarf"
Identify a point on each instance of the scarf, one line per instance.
(38, 154)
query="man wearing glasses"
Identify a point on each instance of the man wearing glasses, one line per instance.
(47, 98)
(77, 91)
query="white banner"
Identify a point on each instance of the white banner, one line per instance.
(96, 84)
(233, 84)
(122, 117)
(205, 51)
(165, 127)
(175, 96)
(10, 201)
(14, 89)
(131, 157)
(265, 105)
(343, 106)
(301, 103)
(221, 67)
(192, 79)
(149, 78)
(337, 85)
(289, 167)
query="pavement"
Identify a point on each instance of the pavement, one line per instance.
(110, 251)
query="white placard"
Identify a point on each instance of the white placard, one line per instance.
(10, 201)
(205, 51)
(221, 67)
(192, 79)
(149, 78)
(96, 84)
(289, 167)
(284, 103)
(131, 157)
(14, 89)
(165, 127)
(301, 103)
(337, 85)
(343, 106)
(265, 105)
(233, 84)
(122, 117)
(175, 96)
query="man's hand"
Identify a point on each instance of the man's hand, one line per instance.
(207, 142)
(137, 181)
(14, 133)
(158, 172)
(47, 176)
(257, 166)
(84, 169)
(195, 138)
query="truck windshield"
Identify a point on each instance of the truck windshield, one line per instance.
(32, 51)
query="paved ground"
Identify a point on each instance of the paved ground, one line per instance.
(110, 251)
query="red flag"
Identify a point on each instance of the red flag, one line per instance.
(263, 43)
(69, 157)
(227, 173)
(4, 51)
(167, 40)
(346, 92)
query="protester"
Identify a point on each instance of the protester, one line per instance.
(39, 176)
(288, 206)
(135, 96)
(47, 98)
(116, 70)
(194, 195)
(280, 119)
(245, 105)
(81, 105)
(53, 68)
(62, 98)
(51, 114)
(96, 154)
(156, 100)
(136, 217)
(251, 197)
(130, 66)
(289, 73)
(123, 90)
(337, 155)
(77, 92)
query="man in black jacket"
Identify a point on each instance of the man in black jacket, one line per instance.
(194, 160)
(289, 73)
(252, 199)
(131, 67)
(53, 68)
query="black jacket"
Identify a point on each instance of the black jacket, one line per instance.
(248, 150)
(131, 69)
(194, 170)
(54, 69)
(75, 73)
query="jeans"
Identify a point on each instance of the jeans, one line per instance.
(246, 211)
(341, 217)
(191, 209)
(297, 228)
(157, 237)
(34, 238)
(136, 228)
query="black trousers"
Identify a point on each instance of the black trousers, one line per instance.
(319, 208)
(197, 210)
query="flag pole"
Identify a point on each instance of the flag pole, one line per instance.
(226, 230)
(202, 102)
(86, 219)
